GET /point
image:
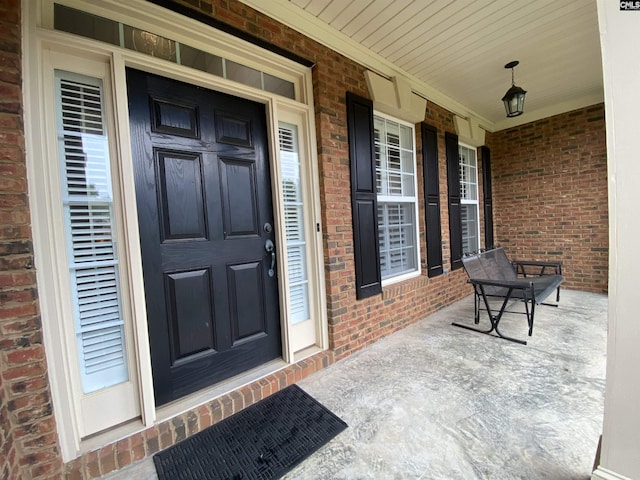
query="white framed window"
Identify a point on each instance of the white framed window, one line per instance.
(469, 214)
(396, 186)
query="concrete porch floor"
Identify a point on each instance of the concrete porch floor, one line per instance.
(434, 401)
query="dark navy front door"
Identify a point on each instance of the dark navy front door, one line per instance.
(204, 211)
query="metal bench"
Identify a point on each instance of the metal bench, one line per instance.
(494, 276)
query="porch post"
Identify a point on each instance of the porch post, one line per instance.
(619, 36)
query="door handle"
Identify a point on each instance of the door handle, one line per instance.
(270, 248)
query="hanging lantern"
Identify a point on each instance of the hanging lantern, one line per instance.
(514, 98)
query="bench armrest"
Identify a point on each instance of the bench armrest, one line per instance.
(543, 268)
(519, 284)
(537, 264)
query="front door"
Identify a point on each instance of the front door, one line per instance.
(206, 232)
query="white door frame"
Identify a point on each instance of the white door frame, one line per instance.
(39, 42)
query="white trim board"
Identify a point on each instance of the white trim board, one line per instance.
(604, 474)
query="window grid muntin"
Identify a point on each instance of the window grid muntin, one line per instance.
(468, 173)
(396, 236)
(395, 158)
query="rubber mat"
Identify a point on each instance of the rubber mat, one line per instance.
(263, 441)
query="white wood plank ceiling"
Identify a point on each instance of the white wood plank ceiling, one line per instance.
(459, 48)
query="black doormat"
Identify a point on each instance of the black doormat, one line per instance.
(263, 441)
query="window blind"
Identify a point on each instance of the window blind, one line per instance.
(294, 224)
(89, 224)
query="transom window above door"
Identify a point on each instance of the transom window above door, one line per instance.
(87, 25)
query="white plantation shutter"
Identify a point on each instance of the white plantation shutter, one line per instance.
(468, 168)
(294, 223)
(470, 228)
(88, 215)
(395, 176)
(396, 236)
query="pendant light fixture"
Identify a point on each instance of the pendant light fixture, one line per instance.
(514, 98)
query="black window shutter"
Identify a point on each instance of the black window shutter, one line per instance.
(432, 199)
(453, 182)
(363, 196)
(487, 196)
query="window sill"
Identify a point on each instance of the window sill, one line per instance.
(402, 285)
(400, 278)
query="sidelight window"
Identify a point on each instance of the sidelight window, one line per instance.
(294, 223)
(89, 226)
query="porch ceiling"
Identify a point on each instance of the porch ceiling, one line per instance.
(454, 51)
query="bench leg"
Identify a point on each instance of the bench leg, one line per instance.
(494, 319)
(530, 315)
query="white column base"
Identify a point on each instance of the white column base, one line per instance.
(604, 474)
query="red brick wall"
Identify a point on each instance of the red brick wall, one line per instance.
(550, 194)
(8, 467)
(27, 428)
(356, 324)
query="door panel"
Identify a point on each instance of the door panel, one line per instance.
(246, 298)
(174, 118)
(233, 130)
(239, 202)
(190, 314)
(203, 193)
(182, 208)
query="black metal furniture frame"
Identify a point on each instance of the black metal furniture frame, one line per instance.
(539, 269)
(493, 275)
